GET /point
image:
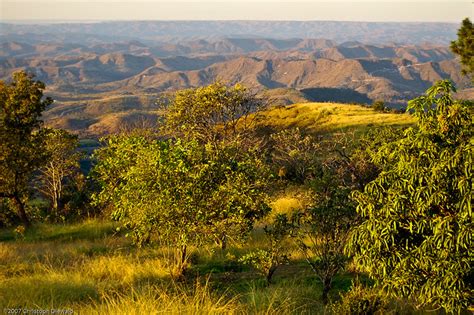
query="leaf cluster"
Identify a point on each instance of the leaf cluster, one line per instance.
(416, 234)
(464, 46)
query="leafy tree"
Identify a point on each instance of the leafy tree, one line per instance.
(267, 261)
(323, 228)
(295, 155)
(62, 165)
(213, 113)
(21, 153)
(179, 192)
(416, 236)
(464, 46)
(379, 106)
(237, 181)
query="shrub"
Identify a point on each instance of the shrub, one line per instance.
(360, 300)
(379, 106)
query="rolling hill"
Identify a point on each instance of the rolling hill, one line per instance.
(120, 69)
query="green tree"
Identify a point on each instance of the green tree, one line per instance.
(379, 106)
(464, 46)
(21, 153)
(62, 165)
(416, 236)
(179, 193)
(323, 228)
(212, 113)
(267, 260)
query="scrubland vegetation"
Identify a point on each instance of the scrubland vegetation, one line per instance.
(228, 206)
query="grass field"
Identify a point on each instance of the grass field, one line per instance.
(331, 117)
(90, 268)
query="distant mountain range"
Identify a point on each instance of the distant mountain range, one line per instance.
(394, 73)
(167, 31)
(114, 68)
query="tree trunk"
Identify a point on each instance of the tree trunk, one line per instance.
(327, 283)
(181, 263)
(223, 241)
(20, 207)
(270, 273)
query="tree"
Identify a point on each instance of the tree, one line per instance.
(323, 228)
(295, 155)
(237, 182)
(212, 113)
(416, 236)
(21, 104)
(62, 164)
(464, 46)
(179, 193)
(379, 106)
(267, 260)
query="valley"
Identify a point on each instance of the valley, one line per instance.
(105, 75)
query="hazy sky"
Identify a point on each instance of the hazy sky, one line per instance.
(339, 10)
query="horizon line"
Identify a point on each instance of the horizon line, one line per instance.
(79, 21)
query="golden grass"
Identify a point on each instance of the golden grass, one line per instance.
(174, 299)
(87, 268)
(290, 200)
(328, 117)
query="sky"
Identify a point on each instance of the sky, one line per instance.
(301, 10)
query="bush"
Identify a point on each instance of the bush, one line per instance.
(266, 261)
(360, 300)
(378, 106)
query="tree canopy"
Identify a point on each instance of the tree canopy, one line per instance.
(212, 113)
(21, 104)
(464, 46)
(416, 236)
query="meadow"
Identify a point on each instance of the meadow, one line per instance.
(90, 268)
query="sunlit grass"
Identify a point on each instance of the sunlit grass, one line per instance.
(91, 269)
(330, 117)
(171, 299)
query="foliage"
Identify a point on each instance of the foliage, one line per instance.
(61, 166)
(379, 106)
(212, 113)
(464, 46)
(266, 261)
(360, 300)
(294, 155)
(21, 153)
(416, 236)
(180, 192)
(354, 163)
(323, 228)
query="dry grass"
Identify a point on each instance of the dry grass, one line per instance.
(329, 117)
(90, 269)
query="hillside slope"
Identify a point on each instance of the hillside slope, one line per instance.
(315, 117)
(330, 117)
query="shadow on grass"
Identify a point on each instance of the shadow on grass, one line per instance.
(45, 293)
(89, 230)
